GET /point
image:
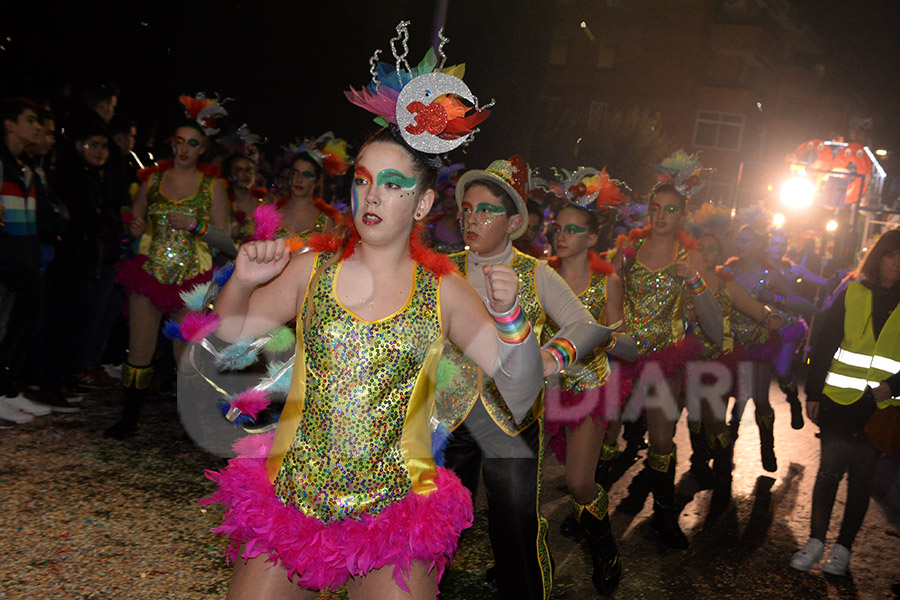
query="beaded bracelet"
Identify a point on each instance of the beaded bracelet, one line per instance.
(696, 285)
(513, 328)
(562, 350)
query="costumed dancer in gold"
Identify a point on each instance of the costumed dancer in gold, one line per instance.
(349, 490)
(180, 210)
(578, 402)
(658, 267)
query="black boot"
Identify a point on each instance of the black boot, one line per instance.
(766, 426)
(722, 451)
(604, 554)
(700, 455)
(135, 381)
(793, 398)
(608, 452)
(665, 512)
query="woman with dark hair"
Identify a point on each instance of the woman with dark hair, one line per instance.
(349, 491)
(578, 406)
(658, 266)
(854, 371)
(752, 269)
(180, 210)
(243, 195)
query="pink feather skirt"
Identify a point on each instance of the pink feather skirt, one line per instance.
(130, 274)
(318, 555)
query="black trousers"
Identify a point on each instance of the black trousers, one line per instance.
(511, 469)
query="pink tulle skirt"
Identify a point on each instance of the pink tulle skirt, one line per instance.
(564, 409)
(319, 556)
(130, 274)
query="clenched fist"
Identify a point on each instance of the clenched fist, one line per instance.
(501, 287)
(259, 262)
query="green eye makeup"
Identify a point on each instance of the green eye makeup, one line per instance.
(392, 176)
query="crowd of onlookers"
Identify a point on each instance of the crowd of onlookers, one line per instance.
(65, 182)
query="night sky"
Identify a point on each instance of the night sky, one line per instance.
(286, 64)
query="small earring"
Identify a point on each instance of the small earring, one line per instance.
(418, 215)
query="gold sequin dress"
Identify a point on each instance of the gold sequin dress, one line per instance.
(349, 483)
(170, 261)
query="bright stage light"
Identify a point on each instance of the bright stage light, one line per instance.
(778, 220)
(798, 192)
(881, 152)
(832, 225)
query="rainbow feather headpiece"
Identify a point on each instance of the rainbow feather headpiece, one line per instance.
(431, 107)
(684, 171)
(589, 188)
(328, 151)
(205, 111)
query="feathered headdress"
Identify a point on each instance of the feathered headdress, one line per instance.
(328, 151)
(204, 111)
(432, 109)
(242, 141)
(592, 189)
(684, 171)
(709, 219)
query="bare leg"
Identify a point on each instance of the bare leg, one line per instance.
(143, 326)
(381, 585)
(258, 578)
(582, 453)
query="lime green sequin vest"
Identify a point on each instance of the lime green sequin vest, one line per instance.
(456, 395)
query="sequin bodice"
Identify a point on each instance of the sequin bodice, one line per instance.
(708, 348)
(175, 255)
(654, 303)
(592, 373)
(351, 452)
(746, 330)
(319, 225)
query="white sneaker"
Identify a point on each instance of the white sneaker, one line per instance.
(29, 406)
(11, 413)
(838, 561)
(808, 555)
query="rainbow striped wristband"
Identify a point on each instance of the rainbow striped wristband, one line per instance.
(514, 327)
(562, 350)
(696, 285)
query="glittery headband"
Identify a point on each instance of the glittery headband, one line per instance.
(432, 109)
(592, 189)
(684, 171)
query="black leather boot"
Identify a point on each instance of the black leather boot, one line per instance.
(665, 512)
(604, 554)
(766, 426)
(135, 381)
(792, 395)
(700, 455)
(723, 464)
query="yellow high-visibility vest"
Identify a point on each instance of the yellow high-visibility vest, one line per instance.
(862, 361)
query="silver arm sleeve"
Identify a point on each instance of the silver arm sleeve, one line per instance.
(625, 348)
(219, 239)
(709, 316)
(518, 374)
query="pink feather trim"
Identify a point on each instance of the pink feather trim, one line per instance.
(319, 556)
(268, 220)
(564, 409)
(196, 326)
(130, 274)
(251, 402)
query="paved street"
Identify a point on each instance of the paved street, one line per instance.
(89, 518)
